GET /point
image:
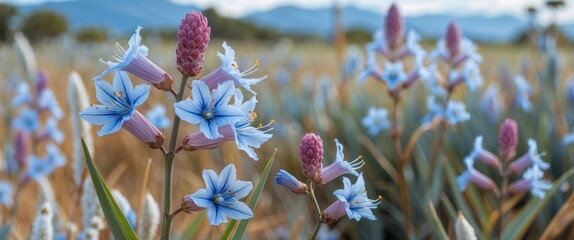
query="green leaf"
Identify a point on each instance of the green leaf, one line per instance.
(5, 231)
(436, 222)
(521, 221)
(117, 222)
(191, 230)
(241, 226)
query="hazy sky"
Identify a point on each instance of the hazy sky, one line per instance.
(407, 7)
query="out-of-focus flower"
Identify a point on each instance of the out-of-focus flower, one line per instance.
(523, 93)
(6, 192)
(27, 121)
(149, 218)
(229, 70)
(471, 175)
(455, 111)
(54, 156)
(393, 74)
(118, 109)
(352, 201)
(394, 28)
(377, 119)
(528, 159)
(413, 46)
(193, 38)
(482, 155)
(452, 39)
(51, 131)
(570, 90)
(508, 138)
(491, 103)
(454, 48)
(42, 228)
(47, 101)
(428, 75)
(568, 138)
(134, 60)
(470, 74)
(372, 68)
(38, 167)
(311, 153)
(157, 116)
(463, 230)
(340, 166)
(531, 181)
(353, 62)
(222, 194)
(290, 182)
(21, 148)
(210, 111)
(22, 95)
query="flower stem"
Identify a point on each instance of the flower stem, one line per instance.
(168, 177)
(318, 226)
(403, 184)
(502, 198)
(443, 128)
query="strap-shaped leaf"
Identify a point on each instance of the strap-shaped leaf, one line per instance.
(191, 230)
(117, 222)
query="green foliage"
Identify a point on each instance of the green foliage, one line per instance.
(6, 14)
(119, 225)
(229, 28)
(92, 35)
(358, 36)
(42, 25)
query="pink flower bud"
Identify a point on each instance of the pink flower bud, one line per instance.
(311, 152)
(508, 139)
(193, 38)
(22, 148)
(481, 180)
(520, 186)
(188, 205)
(453, 37)
(139, 126)
(42, 82)
(394, 28)
(488, 158)
(198, 141)
(334, 212)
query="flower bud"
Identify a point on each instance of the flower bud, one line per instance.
(193, 38)
(287, 180)
(481, 180)
(520, 186)
(21, 147)
(453, 37)
(188, 205)
(198, 141)
(139, 126)
(334, 212)
(508, 139)
(394, 28)
(311, 152)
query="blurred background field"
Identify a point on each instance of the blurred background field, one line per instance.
(306, 92)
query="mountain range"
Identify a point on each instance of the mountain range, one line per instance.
(120, 16)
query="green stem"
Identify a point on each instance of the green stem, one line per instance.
(443, 128)
(318, 226)
(168, 177)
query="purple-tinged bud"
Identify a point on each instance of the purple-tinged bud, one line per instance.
(481, 180)
(193, 38)
(334, 212)
(488, 158)
(394, 28)
(311, 152)
(508, 139)
(42, 82)
(520, 186)
(453, 38)
(528, 159)
(198, 141)
(22, 148)
(139, 126)
(188, 205)
(287, 180)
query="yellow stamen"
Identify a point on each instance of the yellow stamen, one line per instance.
(257, 62)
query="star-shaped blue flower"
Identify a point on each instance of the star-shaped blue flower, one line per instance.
(355, 198)
(118, 103)
(209, 110)
(157, 116)
(221, 196)
(248, 137)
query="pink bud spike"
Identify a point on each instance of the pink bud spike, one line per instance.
(453, 37)
(508, 139)
(311, 152)
(193, 38)
(394, 28)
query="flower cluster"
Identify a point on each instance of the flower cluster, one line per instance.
(352, 200)
(531, 162)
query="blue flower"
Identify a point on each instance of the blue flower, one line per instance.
(248, 137)
(6, 192)
(229, 70)
(352, 63)
(376, 120)
(471, 175)
(470, 74)
(221, 196)
(38, 167)
(22, 95)
(568, 138)
(523, 92)
(157, 116)
(118, 103)
(455, 112)
(27, 121)
(491, 103)
(532, 181)
(290, 182)
(54, 156)
(372, 68)
(393, 74)
(354, 198)
(51, 130)
(340, 166)
(210, 111)
(47, 101)
(428, 75)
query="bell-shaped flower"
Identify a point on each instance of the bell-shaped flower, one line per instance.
(352, 201)
(492, 103)
(568, 138)
(372, 68)
(532, 157)
(483, 155)
(134, 60)
(470, 75)
(210, 110)
(118, 109)
(28, 120)
(377, 119)
(222, 194)
(455, 111)
(157, 116)
(340, 166)
(290, 182)
(531, 181)
(229, 70)
(471, 175)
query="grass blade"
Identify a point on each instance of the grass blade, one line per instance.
(191, 230)
(117, 222)
(436, 222)
(521, 221)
